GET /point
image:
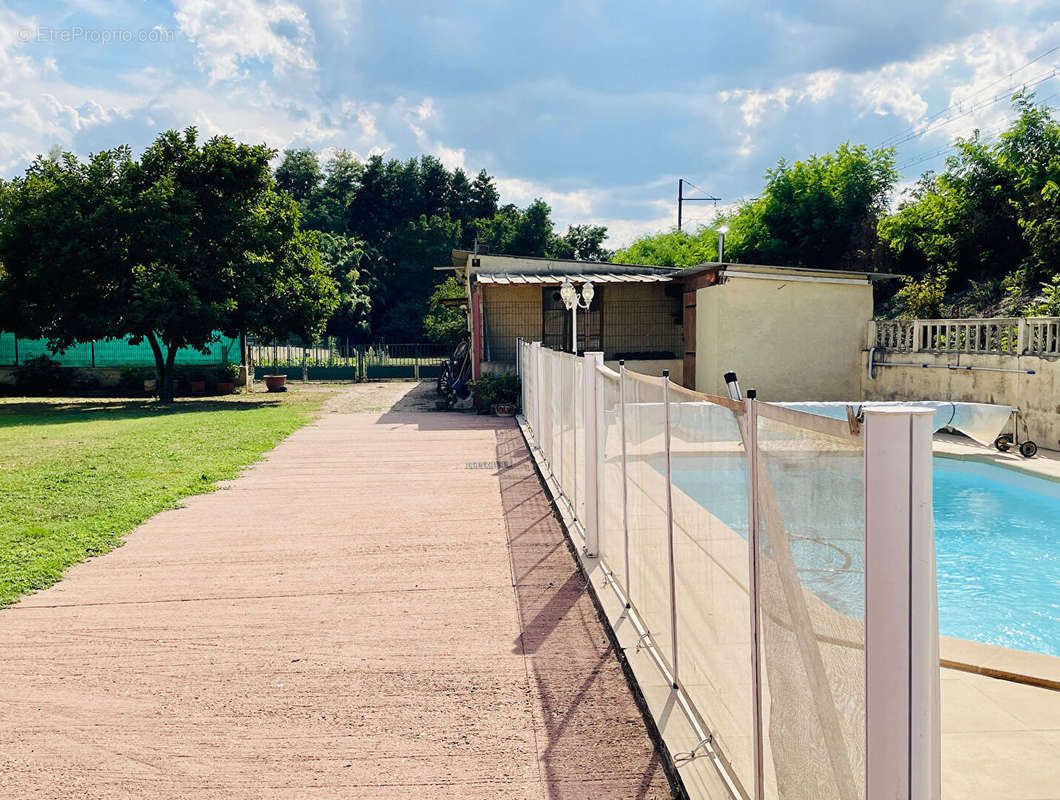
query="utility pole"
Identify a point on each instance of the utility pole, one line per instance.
(681, 199)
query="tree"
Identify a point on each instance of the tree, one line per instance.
(445, 324)
(325, 210)
(189, 240)
(989, 223)
(484, 196)
(582, 243)
(341, 257)
(299, 173)
(673, 248)
(821, 212)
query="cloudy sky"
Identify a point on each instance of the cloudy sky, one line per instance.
(597, 107)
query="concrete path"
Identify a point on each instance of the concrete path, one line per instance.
(374, 611)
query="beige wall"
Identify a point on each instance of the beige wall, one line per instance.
(791, 340)
(1037, 396)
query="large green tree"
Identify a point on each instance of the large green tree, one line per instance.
(188, 240)
(821, 212)
(672, 248)
(983, 235)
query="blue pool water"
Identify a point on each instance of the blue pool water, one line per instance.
(997, 543)
(997, 540)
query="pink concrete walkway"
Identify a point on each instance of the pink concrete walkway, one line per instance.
(359, 616)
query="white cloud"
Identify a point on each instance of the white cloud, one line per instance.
(228, 33)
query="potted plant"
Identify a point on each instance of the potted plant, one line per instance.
(497, 393)
(197, 384)
(226, 378)
(275, 383)
(507, 390)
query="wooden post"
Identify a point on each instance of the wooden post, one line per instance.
(476, 332)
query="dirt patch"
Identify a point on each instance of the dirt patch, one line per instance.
(359, 398)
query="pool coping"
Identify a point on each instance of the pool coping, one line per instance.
(1005, 663)
(1045, 465)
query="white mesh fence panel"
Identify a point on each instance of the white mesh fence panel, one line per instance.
(648, 583)
(710, 506)
(610, 474)
(580, 490)
(811, 491)
(568, 477)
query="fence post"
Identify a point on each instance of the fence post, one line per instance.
(1022, 336)
(917, 328)
(670, 523)
(901, 608)
(625, 495)
(753, 519)
(592, 508)
(538, 396)
(870, 336)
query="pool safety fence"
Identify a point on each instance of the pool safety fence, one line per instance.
(779, 565)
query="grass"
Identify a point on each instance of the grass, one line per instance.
(77, 475)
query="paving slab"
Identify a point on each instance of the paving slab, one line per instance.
(360, 615)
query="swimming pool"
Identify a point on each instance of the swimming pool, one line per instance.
(997, 541)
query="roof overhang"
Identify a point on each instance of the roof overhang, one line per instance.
(545, 279)
(762, 271)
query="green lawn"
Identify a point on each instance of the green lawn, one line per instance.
(77, 475)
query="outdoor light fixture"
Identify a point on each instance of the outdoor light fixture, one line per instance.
(573, 302)
(724, 229)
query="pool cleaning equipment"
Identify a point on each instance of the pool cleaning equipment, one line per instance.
(1004, 441)
(874, 364)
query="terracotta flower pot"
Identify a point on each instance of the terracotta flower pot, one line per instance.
(504, 409)
(275, 383)
(225, 387)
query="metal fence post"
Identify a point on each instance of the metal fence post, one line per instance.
(625, 494)
(901, 608)
(589, 412)
(670, 523)
(753, 520)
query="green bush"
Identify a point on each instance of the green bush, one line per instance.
(40, 375)
(132, 378)
(493, 389)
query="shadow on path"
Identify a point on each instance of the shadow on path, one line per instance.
(592, 740)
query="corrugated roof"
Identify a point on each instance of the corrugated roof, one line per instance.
(507, 278)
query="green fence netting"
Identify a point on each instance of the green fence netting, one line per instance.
(112, 353)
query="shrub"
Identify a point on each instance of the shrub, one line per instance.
(40, 375)
(493, 389)
(85, 381)
(132, 378)
(225, 373)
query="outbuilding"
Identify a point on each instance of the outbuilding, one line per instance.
(792, 333)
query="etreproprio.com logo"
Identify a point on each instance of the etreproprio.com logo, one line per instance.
(77, 33)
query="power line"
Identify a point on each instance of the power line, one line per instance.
(959, 104)
(973, 108)
(682, 199)
(983, 138)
